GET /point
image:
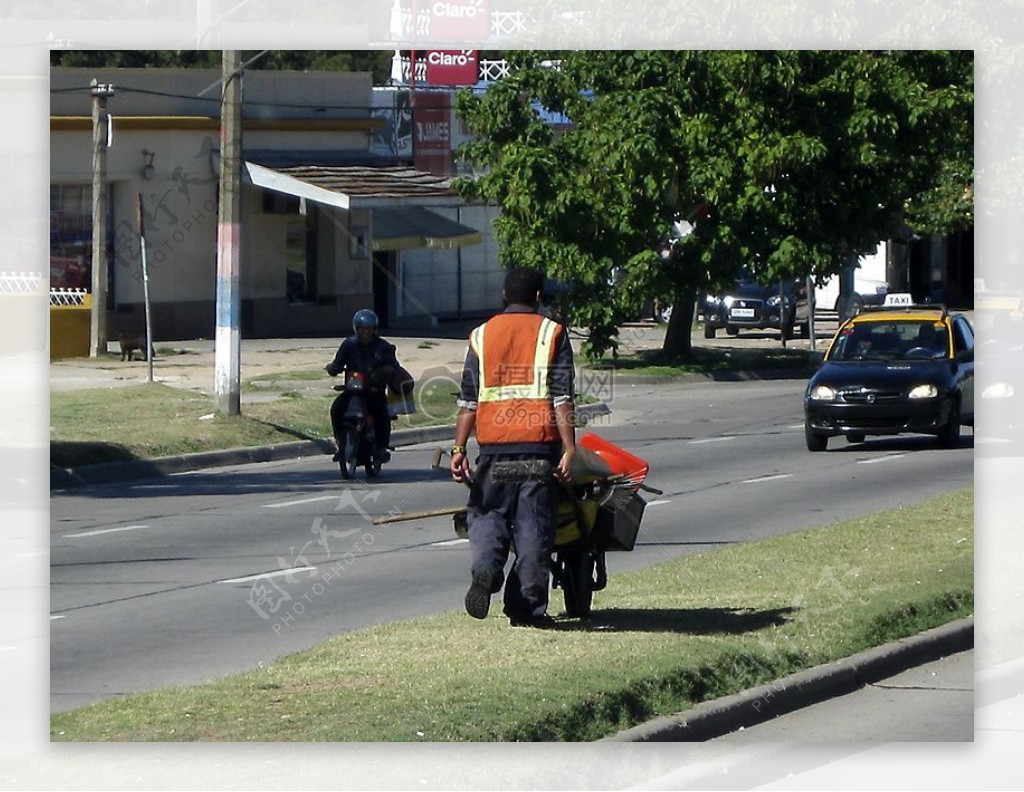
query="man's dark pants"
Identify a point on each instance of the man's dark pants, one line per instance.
(376, 403)
(500, 514)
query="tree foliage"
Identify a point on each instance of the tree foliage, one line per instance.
(786, 162)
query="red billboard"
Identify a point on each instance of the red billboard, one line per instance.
(459, 20)
(453, 67)
(432, 131)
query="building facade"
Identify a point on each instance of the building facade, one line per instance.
(330, 223)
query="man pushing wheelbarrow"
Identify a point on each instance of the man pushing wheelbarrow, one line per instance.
(517, 395)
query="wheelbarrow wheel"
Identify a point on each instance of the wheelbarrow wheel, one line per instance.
(577, 581)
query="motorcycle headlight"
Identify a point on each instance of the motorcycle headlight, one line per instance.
(923, 392)
(998, 390)
(822, 393)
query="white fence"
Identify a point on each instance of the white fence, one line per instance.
(20, 282)
(67, 296)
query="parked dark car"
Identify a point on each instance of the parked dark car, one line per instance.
(749, 305)
(892, 371)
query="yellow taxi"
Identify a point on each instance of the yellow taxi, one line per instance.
(899, 368)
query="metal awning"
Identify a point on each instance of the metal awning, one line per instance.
(280, 182)
(385, 192)
(409, 226)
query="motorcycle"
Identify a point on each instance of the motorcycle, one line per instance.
(357, 443)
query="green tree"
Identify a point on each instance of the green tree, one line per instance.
(789, 163)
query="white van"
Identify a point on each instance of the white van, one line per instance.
(869, 285)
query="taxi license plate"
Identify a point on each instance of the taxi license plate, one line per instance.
(742, 313)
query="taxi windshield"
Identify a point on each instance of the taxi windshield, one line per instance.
(892, 340)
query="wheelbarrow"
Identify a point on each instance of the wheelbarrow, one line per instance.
(599, 513)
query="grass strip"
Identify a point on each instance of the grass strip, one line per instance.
(659, 641)
(156, 420)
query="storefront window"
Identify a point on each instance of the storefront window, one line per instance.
(70, 236)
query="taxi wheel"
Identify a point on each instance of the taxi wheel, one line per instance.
(815, 440)
(949, 435)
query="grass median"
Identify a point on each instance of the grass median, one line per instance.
(155, 420)
(659, 641)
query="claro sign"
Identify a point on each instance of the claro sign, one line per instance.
(459, 20)
(452, 67)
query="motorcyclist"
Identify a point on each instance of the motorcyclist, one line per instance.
(373, 357)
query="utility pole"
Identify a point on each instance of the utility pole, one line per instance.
(100, 140)
(228, 345)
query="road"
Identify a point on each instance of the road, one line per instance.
(183, 578)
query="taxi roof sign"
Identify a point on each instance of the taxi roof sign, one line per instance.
(898, 300)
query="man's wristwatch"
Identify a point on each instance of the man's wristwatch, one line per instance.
(458, 449)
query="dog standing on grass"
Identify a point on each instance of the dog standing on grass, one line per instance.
(130, 343)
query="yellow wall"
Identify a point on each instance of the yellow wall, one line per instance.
(69, 329)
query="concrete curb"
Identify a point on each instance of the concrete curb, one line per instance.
(714, 718)
(130, 470)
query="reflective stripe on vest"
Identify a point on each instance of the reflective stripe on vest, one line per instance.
(514, 400)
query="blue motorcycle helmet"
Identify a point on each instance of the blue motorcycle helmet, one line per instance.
(364, 318)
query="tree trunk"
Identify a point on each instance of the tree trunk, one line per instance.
(677, 336)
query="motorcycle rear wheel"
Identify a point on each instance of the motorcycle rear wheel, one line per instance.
(375, 463)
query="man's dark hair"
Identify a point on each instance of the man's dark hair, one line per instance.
(522, 285)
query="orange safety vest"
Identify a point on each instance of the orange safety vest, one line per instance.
(515, 352)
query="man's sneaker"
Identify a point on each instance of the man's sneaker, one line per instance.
(478, 598)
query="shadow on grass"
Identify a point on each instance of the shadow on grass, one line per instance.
(693, 621)
(74, 453)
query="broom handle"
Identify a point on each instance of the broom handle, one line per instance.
(417, 515)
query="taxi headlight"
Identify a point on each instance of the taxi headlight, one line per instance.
(998, 390)
(923, 392)
(822, 393)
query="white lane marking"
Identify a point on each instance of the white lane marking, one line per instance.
(104, 531)
(450, 543)
(767, 478)
(879, 459)
(795, 426)
(268, 575)
(298, 502)
(658, 502)
(54, 618)
(710, 440)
